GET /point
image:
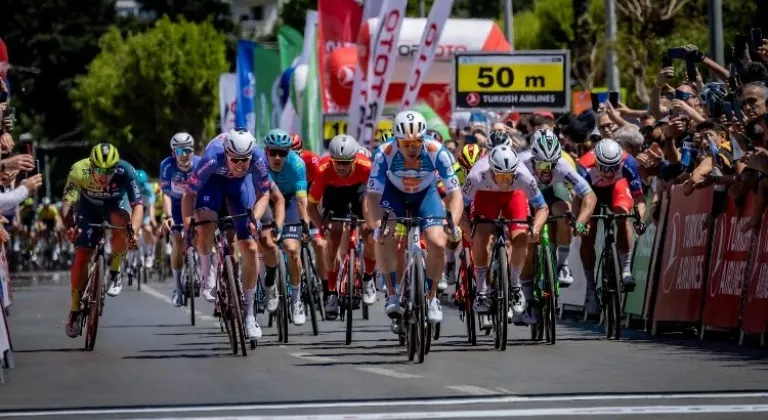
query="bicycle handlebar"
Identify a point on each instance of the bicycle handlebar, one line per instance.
(500, 223)
(408, 220)
(637, 224)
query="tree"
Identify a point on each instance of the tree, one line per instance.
(142, 89)
(294, 13)
(583, 51)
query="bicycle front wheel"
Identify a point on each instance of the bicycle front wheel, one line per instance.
(351, 273)
(550, 298)
(94, 304)
(284, 304)
(308, 292)
(235, 306)
(502, 298)
(616, 295)
(420, 308)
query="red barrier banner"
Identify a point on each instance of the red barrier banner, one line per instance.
(728, 266)
(685, 248)
(656, 255)
(755, 315)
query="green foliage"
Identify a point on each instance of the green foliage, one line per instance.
(142, 89)
(294, 13)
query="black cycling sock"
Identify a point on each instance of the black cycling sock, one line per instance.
(269, 279)
(113, 275)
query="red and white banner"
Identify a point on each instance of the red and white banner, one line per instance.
(656, 260)
(728, 266)
(755, 313)
(382, 62)
(685, 248)
(227, 101)
(436, 21)
(359, 97)
(338, 27)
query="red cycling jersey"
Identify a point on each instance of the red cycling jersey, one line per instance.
(311, 161)
(326, 176)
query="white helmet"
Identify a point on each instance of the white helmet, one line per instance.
(239, 142)
(503, 159)
(608, 153)
(410, 125)
(362, 150)
(545, 146)
(343, 147)
(182, 140)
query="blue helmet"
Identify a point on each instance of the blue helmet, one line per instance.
(141, 176)
(278, 139)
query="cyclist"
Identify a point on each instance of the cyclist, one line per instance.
(555, 172)
(613, 175)
(147, 238)
(498, 184)
(403, 178)
(103, 186)
(340, 181)
(175, 171)
(289, 172)
(49, 223)
(232, 170)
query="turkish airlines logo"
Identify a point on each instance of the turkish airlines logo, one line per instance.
(473, 98)
(346, 76)
(670, 269)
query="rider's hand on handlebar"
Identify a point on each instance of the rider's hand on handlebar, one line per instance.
(580, 229)
(639, 227)
(255, 228)
(534, 235)
(72, 233)
(277, 234)
(167, 224)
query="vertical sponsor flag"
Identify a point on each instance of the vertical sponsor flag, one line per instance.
(244, 116)
(311, 102)
(339, 23)
(267, 70)
(382, 65)
(290, 41)
(227, 100)
(360, 84)
(436, 20)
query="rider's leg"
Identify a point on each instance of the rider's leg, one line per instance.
(435, 239)
(331, 261)
(84, 246)
(209, 201)
(484, 205)
(517, 208)
(623, 204)
(178, 247)
(369, 262)
(320, 246)
(562, 237)
(117, 217)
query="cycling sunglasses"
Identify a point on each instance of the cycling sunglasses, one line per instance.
(543, 165)
(606, 168)
(103, 171)
(504, 177)
(238, 160)
(339, 162)
(277, 153)
(183, 151)
(410, 143)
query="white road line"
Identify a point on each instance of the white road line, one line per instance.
(472, 390)
(452, 401)
(387, 372)
(154, 293)
(312, 358)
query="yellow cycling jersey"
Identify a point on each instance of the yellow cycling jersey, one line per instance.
(47, 213)
(80, 184)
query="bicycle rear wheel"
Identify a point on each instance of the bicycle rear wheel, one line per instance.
(616, 295)
(94, 304)
(550, 298)
(350, 279)
(284, 304)
(235, 306)
(193, 280)
(607, 300)
(469, 312)
(308, 293)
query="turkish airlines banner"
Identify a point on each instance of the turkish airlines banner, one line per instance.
(360, 83)
(339, 24)
(227, 101)
(685, 248)
(436, 20)
(755, 312)
(728, 266)
(656, 258)
(382, 62)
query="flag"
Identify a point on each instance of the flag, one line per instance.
(360, 83)
(311, 102)
(339, 23)
(244, 116)
(436, 20)
(290, 42)
(267, 70)
(227, 100)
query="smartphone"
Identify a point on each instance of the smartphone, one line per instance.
(727, 110)
(690, 68)
(666, 61)
(676, 53)
(595, 101)
(756, 38)
(716, 109)
(470, 139)
(736, 105)
(613, 98)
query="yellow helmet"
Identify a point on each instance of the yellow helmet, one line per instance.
(470, 153)
(385, 135)
(104, 156)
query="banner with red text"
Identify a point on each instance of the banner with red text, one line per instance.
(728, 266)
(436, 20)
(755, 313)
(339, 23)
(658, 250)
(359, 97)
(685, 248)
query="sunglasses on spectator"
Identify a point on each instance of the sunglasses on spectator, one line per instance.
(277, 153)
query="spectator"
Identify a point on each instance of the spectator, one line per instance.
(630, 139)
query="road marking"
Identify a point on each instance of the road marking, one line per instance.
(472, 390)
(423, 402)
(312, 358)
(695, 410)
(388, 372)
(154, 293)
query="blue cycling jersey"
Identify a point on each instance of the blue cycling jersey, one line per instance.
(173, 181)
(412, 177)
(214, 161)
(147, 193)
(292, 179)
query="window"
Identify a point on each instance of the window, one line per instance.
(257, 13)
(244, 18)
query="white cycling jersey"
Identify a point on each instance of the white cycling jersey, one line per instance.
(562, 172)
(480, 179)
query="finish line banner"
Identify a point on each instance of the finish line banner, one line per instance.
(523, 81)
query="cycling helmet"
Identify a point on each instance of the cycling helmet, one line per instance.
(296, 142)
(239, 142)
(182, 140)
(141, 176)
(608, 154)
(503, 159)
(470, 153)
(362, 150)
(435, 135)
(386, 134)
(410, 125)
(343, 147)
(545, 146)
(278, 139)
(500, 138)
(46, 201)
(104, 156)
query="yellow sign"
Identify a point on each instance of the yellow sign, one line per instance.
(520, 81)
(335, 124)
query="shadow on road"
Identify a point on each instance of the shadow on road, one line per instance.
(70, 350)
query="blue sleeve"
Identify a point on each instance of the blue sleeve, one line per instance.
(151, 197)
(166, 172)
(205, 168)
(377, 179)
(301, 174)
(259, 172)
(632, 175)
(444, 167)
(584, 173)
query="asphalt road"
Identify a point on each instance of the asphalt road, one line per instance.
(150, 363)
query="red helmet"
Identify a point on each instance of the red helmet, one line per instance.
(296, 142)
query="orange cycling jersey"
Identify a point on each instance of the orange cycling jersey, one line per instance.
(311, 161)
(326, 176)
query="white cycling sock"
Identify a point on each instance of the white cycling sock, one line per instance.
(450, 255)
(626, 262)
(514, 276)
(248, 296)
(481, 278)
(562, 255)
(177, 278)
(206, 262)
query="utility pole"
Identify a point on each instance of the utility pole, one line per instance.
(422, 13)
(611, 62)
(509, 23)
(717, 49)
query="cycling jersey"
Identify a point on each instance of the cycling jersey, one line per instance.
(80, 184)
(173, 181)
(47, 213)
(627, 170)
(327, 177)
(389, 165)
(311, 161)
(147, 192)
(292, 178)
(561, 172)
(481, 179)
(214, 161)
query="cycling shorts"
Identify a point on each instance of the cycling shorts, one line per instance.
(555, 193)
(91, 213)
(509, 204)
(292, 229)
(338, 200)
(425, 204)
(616, 196)
(238, 194)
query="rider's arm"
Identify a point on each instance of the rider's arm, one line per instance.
(444, 165)
(632, 175)
(261, 183)
(278, 204)
(528, 183)
(197, 179)
(134, 198)
(301, 189)
(315, 198)
(376, 181)
(581, 186)
(71, 193)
